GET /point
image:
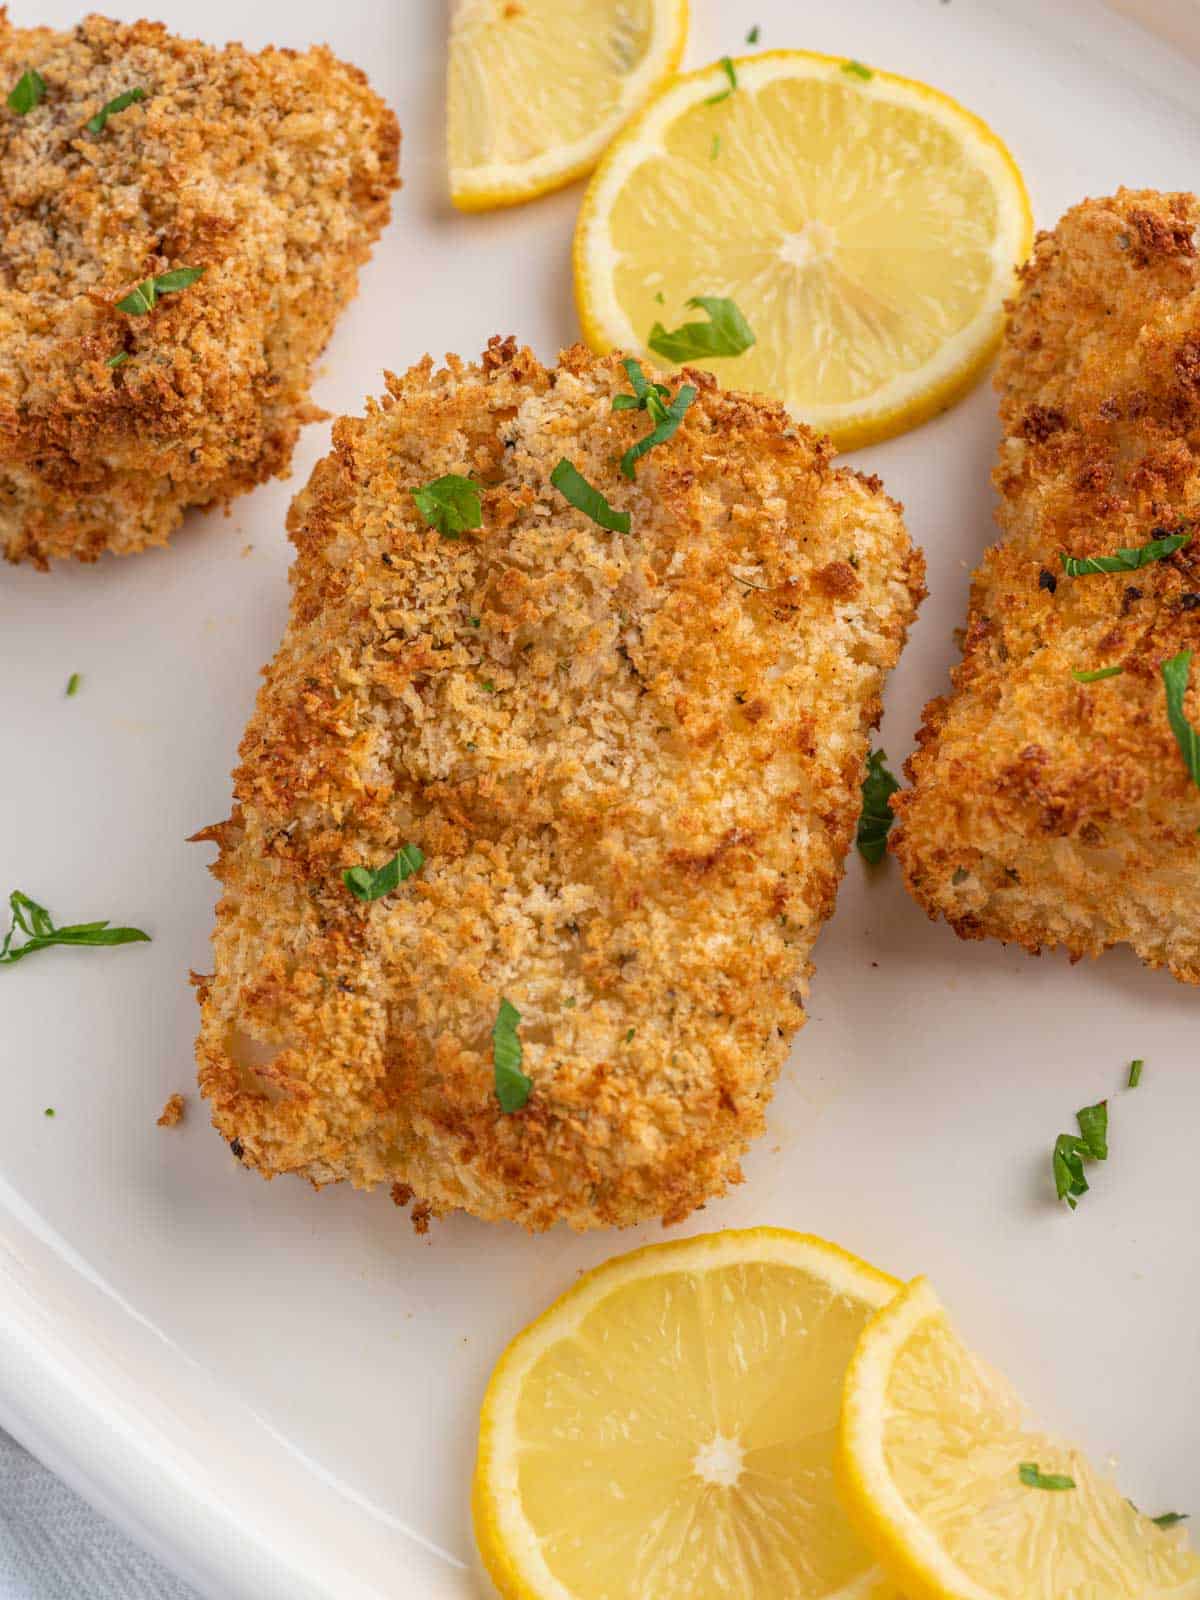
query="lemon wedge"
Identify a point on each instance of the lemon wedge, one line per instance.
(866, 226)
(538, 88)
(667, 1428)
(960, 1502)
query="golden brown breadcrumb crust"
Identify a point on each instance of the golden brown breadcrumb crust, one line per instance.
(272, 171)
(173, 1111)
(632, 763)
(1045, 811)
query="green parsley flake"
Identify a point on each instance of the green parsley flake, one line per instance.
(1093, 1130)
(1135, 1072)
(73, 683)
(630, 1035)
(512, 1086)
(1175, 675)
(36, 923)
(752, 36)
(49, 1111)
(451, 504)
(715, 151)
(1125, 559)
(877, 817)
(487, 686)
(651, 398)
(1098, 675)
(474, 621)
(122, 102)
(367, 884)
(857, 70)
(1170, 1519)
(119, 360)
(1071, 1151)
(659, 298)
(141, 301)
(1033, 1479)
(28, 91)
(730, 72)
(726, 333)
(575, 488)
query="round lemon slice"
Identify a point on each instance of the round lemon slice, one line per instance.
(538, 88)
(667, 1428)
(960, 1502)
(866, 226)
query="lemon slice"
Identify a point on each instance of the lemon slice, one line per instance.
(667, 1428)
(537, 88)
(931, 1452)
(867, 227)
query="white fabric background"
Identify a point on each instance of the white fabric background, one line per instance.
(55, 1547)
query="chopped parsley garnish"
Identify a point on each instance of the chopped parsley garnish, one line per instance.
(715, 151)
(726, 333)
(644, 392)
(73, 683)
(1125, 559)
(1135, 1072)
(1170, 1519)
(36, 923)
(1175, 680)
(451, 504)
(652, 398)
(1033, 1479)
(752, 36)
(575, 488)
(49, 1111)
(876, 819)
(512, 1086)
(367, 884)
(141, 301)
(28, 91)
(487, 686)
(728, 69)
(630, 1035)
(475, 621)
(857, 70)
(122, 102)
(1071, 1151)
(659, 298)
(1098, 675)
(119, 360)
(1093, 1130)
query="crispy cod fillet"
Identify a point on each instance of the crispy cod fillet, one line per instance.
(1045, 811)
(272, 172)
(632, 764)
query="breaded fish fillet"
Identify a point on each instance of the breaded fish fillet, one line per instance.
(632, 762)
(1045, 810)
(271, 172)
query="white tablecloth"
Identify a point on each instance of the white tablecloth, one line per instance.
(55, 1547)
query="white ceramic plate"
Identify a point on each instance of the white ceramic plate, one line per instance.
(278, 1389)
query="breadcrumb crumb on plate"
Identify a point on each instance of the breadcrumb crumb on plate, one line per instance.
(632, 764)
(173, 1112)
(272, 172)
(1045, 811)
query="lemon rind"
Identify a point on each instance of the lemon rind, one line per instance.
(905, 1547)
(507, 1547)
(503, 183)
(912, 398)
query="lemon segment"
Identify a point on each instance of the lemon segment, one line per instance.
(666, 1429)
(867, 227)
(537, 88)
(932, 1443)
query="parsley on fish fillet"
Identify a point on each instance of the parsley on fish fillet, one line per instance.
(630, 763)
(182, 227)
(1056, 791)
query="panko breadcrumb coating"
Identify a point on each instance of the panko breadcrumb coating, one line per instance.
(632, 764)
(1043, 810)
(272, 172)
